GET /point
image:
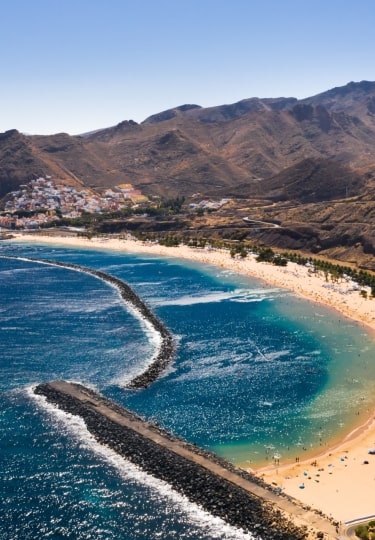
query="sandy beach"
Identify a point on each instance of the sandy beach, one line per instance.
(299, 279)
(337, 482)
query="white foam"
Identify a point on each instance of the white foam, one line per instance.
(272, 356)
(75, 427)
(126, 265)
(152, 284)
(238, 295)
(189, 300)
(91, 305)
(265, 403)
(152, 334)
(13, 271)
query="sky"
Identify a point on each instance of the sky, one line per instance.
(78, 65)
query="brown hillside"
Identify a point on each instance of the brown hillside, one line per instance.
(308, 165)
(190, 149)
(313, 180)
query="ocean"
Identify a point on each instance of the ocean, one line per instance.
(259, 374)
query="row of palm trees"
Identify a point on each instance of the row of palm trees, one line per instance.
(333, 271)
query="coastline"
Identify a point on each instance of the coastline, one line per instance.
(339, 484)
(237, 497)
(336, 481)
(293, 277)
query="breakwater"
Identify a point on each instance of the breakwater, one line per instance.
(239, 498)
(166, 350)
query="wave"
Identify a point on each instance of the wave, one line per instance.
(238, 295)
(154, 329)
(75, 427)
(120, 266)
(14, 271)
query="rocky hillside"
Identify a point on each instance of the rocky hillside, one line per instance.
(192, 149)
(309, 164)
(310, 180)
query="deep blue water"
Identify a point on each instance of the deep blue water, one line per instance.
(257, 371)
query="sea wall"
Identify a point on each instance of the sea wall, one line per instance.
(185, 474)
(166, 350)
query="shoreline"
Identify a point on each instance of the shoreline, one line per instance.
(339, 484)
(296, 278)
(337, 480)
(238, 497)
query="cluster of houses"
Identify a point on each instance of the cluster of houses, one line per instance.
(47, 200)
(44, 200)
(208, 204)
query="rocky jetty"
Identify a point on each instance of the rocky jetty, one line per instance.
(166, 349)
(239, 498)
(174, 461)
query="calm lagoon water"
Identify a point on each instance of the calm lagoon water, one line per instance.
(257, 372)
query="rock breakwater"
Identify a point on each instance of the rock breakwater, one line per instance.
(239, 499)
(166, 350)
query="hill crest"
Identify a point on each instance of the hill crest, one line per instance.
(189, 149)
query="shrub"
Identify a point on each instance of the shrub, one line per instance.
(362, 532)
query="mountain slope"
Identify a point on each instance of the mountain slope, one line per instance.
(313, 180)
(356, 99)
(223, 149)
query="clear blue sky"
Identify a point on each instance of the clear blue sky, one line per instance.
(80, 65)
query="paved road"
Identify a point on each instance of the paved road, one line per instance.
(268, 224)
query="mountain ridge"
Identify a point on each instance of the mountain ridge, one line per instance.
(190, 148)
(281, 155)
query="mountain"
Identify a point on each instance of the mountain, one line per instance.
(192, 149)
(279, 154)
(310, 181)
(355, 99)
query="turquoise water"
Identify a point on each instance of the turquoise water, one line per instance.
(257, 372)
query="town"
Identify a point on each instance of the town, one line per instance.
(43, 201)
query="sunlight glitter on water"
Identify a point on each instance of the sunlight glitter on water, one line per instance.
(250, 379)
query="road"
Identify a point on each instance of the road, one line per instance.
(267, 224)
